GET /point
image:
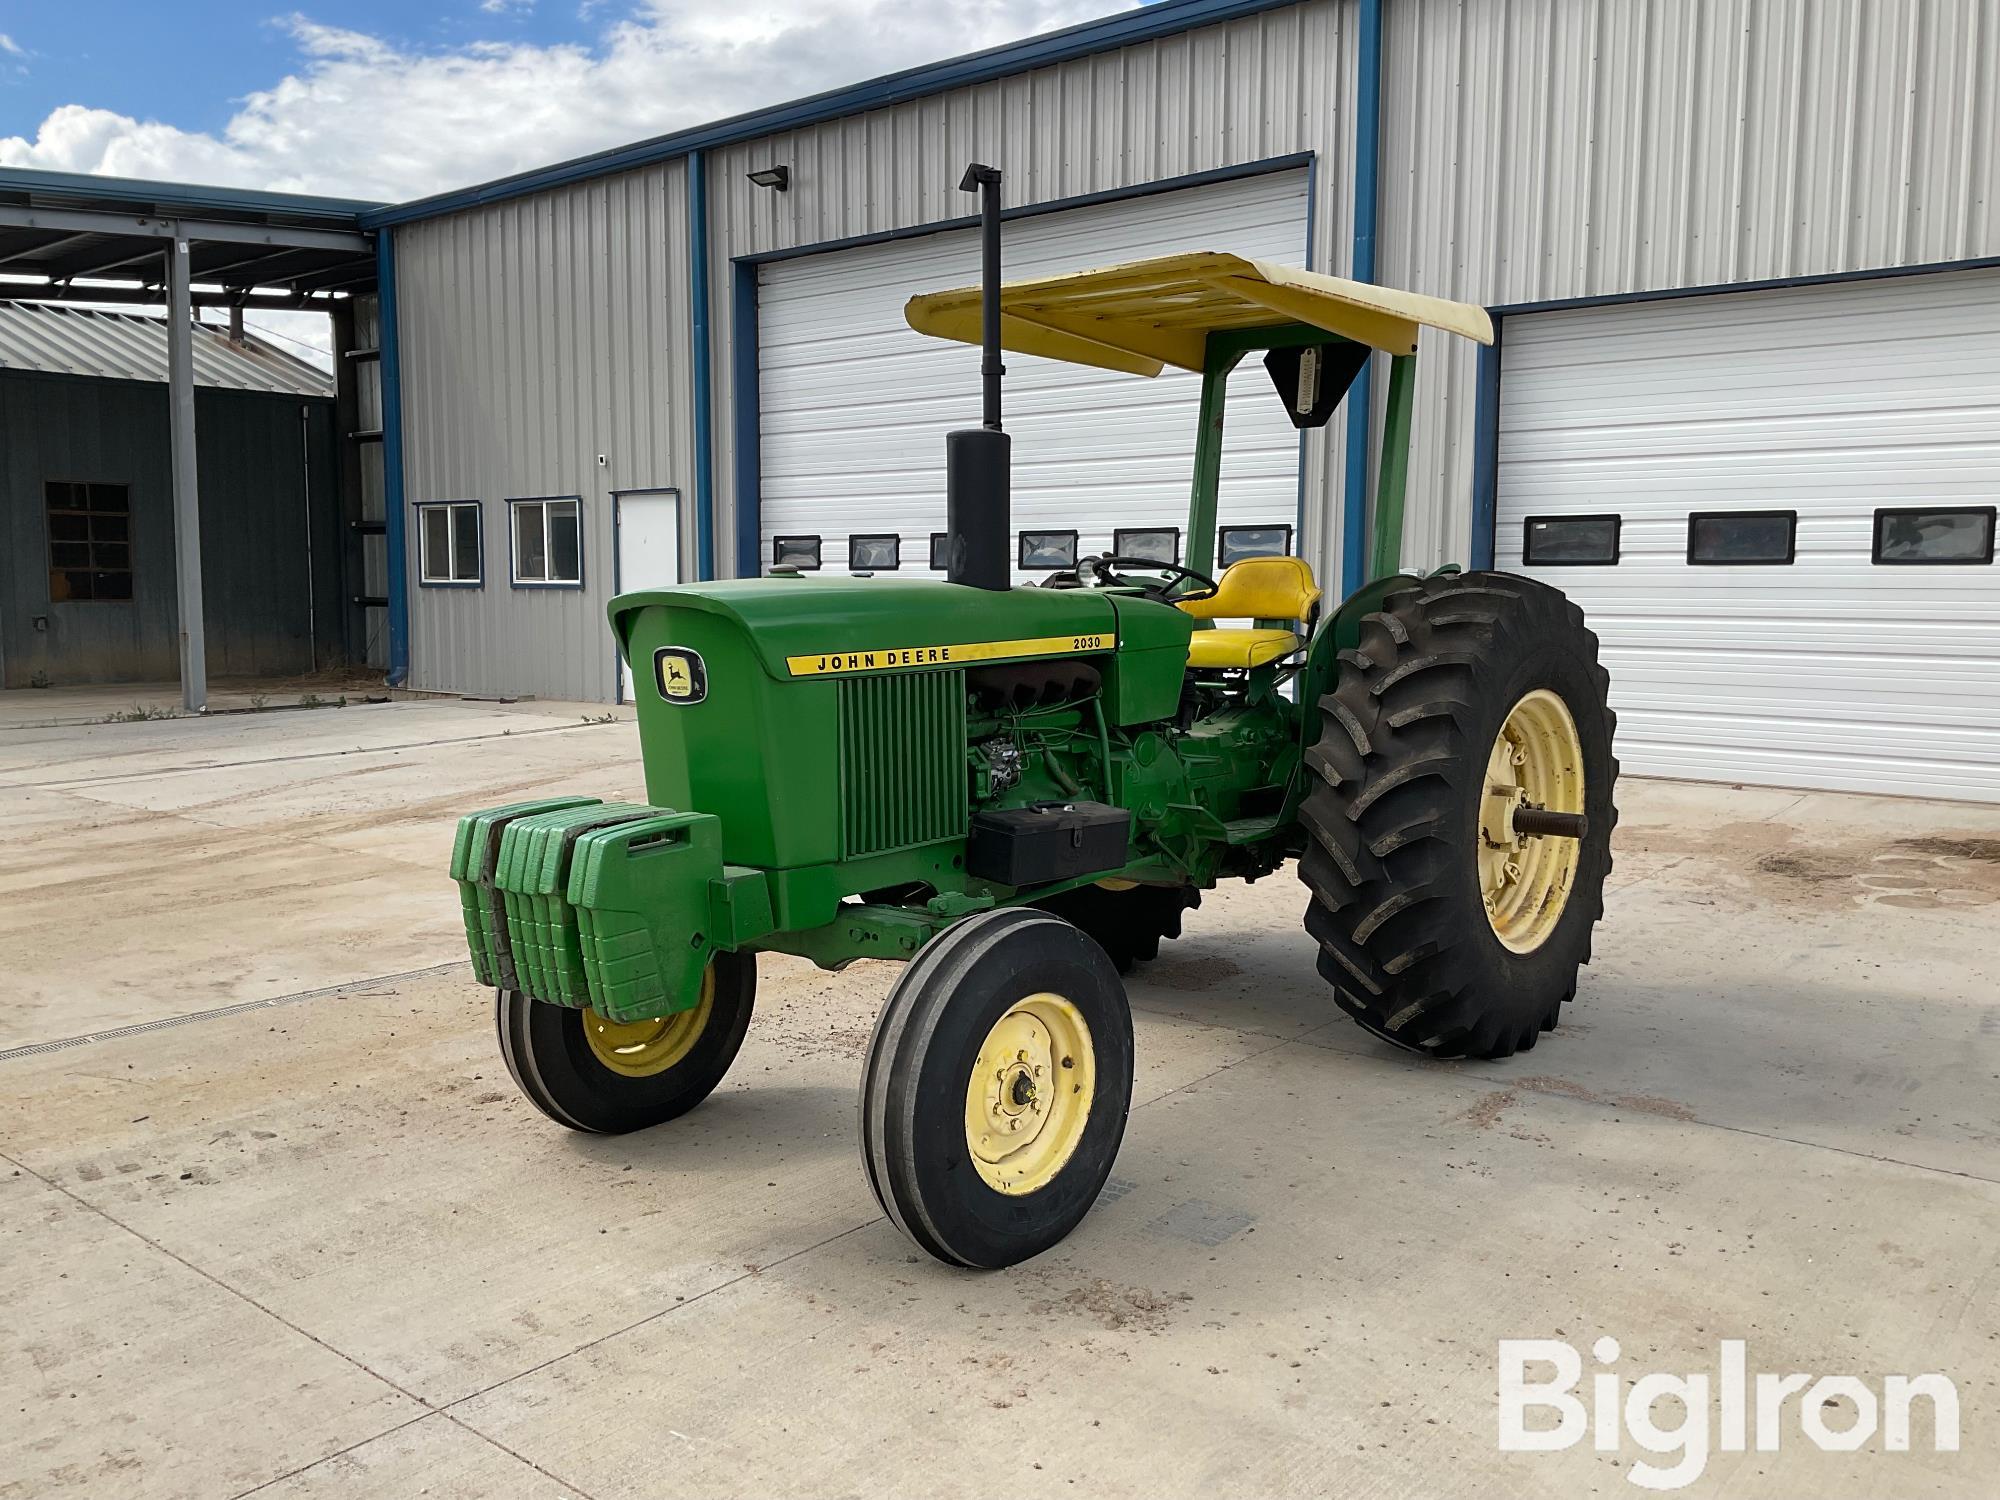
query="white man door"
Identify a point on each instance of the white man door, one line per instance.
(649, 546)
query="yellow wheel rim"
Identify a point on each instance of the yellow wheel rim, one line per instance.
(1536, 761)
(1028, 1099)
(643, 1049)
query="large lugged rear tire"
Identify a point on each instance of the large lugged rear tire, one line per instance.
(1470, 698)
(605, 1078)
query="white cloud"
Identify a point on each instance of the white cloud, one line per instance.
(9, 46)
(363, 117)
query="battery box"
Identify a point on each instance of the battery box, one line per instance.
(1047, 841)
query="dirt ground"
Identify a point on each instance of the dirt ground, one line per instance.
(273, 1220)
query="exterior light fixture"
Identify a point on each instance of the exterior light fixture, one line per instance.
(772, 177)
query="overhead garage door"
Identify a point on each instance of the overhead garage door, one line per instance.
(855, 406)
(1865, 410)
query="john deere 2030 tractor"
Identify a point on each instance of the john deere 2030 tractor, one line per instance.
(1020, 791)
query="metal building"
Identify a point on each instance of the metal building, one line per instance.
(66, 239)
(86, 503)
(1742, 255)
(1695, 220)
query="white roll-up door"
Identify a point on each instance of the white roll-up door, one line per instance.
(1836, 402)
(854, 406)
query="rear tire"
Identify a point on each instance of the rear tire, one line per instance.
(1394, 816)
(593, 1075)
(996, 1089)
(1129, 923)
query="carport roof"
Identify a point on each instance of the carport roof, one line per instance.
(61, 228)
(128, 346)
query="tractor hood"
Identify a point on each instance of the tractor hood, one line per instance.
(813, 627)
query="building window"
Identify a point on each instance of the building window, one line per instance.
(90, 541)
(940, 543)
(1948, 534)
(448, 544)
(548, 543)
(1234, 543)
(1160, 544)
(800, 552)
(878, 552)
(1047, 550)
(1569, 541)
(1743, 538)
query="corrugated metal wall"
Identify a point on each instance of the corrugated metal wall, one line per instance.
(1532, 149)
(255, 456)
(1271, 85)
(1544, 149)
(535, 335)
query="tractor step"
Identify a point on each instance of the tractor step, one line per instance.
(1239, 831)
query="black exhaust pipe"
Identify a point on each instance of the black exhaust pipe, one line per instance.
(978, 461)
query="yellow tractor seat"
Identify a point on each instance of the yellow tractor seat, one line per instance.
(1258, 588)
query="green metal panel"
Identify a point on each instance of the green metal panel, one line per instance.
(1388, 552)
(902, 761)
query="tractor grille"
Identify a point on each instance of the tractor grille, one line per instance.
(902, 760)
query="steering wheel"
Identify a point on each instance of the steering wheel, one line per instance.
(1106, 568)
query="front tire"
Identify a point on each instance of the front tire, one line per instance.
(1470, 697)
(997, 1086)
(610, 1078)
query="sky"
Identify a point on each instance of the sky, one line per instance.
(394, 99)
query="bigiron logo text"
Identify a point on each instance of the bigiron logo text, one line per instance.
(1685, 1418)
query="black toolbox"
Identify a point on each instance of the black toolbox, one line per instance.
(1047, 841)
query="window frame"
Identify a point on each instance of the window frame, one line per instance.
(478, 509)
(1222, 539)
(50, 568)
(1529, 560)
(1119, 533)
(514, 542)
(893, 538)
(1791, 517)
(818, 549)
(1021, 563)
(1882, 512)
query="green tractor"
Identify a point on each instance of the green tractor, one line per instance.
(1020, 791)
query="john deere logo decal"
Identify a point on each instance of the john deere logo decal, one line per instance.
(680, 674)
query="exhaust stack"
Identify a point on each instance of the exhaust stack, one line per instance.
(978, 461)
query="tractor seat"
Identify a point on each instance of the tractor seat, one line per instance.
(1264, 589)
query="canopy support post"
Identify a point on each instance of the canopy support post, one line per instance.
(187, 493)
(1221, 358)
(1395, 466)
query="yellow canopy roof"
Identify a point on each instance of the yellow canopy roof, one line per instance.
(1147, 314)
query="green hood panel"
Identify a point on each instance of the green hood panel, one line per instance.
(884, 623)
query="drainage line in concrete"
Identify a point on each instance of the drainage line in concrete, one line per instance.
(36, 1049)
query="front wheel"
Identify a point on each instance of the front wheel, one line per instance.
(1459, 815)
(609, 1077)
(996, 1089)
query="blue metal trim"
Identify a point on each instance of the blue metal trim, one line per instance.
(514, 542)
(479, 515)
(1262, 166)
(1770, 284)
(746, 412)
(394, 512)
(1486, 451)
(1360, 397)
(1143, 23)
(704, 407)
(137, 192)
